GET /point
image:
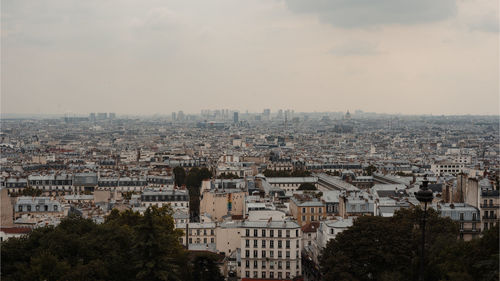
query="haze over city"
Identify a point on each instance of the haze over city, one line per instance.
(156, 57)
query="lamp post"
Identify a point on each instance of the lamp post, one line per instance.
(424, 195)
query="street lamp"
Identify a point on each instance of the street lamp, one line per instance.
(424, 195)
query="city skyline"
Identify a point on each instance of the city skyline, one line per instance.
(158, 57)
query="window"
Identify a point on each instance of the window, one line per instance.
(320, 210)
(271, 254)
(263, 275)
(263, 233)
(271, 244)
(287, 265)
(461, 216)
(280, 275)
(255, 234)
(29, 208)
(288, 233)
(287, 243)
(461, 225)
(247, 274)
(279, 254)
(255, 274)
(205, 240)
(255, 243)
(491, 202)
(254, 264)
(303, 218)
(312, 210)
(263, 243)
(297, 233)
(279, 244)
(247, 232)
(279, 233)
(271, 275)
(55, 208)
(247, 243)
(474, 216)
(190, 240)
(287, 254)
(297, 243)
(303, 210)
(492, 214)
(271, 233)
(247, 264)
(263, 264)
(280, 266)
(37, 207)
(312, 218)
(255, 253)
(247, 252)
(204, 232)
(288, 275)
(20, 208)
(211, 232)
(263, 254)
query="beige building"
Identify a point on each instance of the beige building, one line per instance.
(271, 250)
(222, 202)
(228, 237)
(306, 209)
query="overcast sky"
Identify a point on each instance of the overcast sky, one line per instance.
(158, 56)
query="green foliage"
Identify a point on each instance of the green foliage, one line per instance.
(193, 182)
(206, 267)
(368, 171)
(180, 176)
(377, 248)
(294, 173)
(228, 176)
(127, 246)
(28, 191)
(307, 186)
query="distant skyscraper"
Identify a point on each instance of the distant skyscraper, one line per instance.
(92, 116)
(174, 116)
(235, 117)
(180, 115)
(102, 116)
(112, 115)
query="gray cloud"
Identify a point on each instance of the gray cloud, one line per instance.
(365, 13)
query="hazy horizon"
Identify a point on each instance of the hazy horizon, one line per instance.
(156, 57)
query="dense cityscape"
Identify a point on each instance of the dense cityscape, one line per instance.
(274, 195)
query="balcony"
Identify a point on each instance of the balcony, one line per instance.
(470, 230)
(494, 217)
(490, 206)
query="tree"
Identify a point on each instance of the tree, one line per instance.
(370, 170)
(307, 186)
(180, 176)
(127, 246)
(205, 267)
(379, 248)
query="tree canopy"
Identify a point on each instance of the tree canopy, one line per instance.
(307, 186)
(127, 246)
(379, 248)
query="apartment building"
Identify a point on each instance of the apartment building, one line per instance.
(222, 202)
(270, 250)
(306, 209)
(490, 203)
(466, 215)
(177, 199)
